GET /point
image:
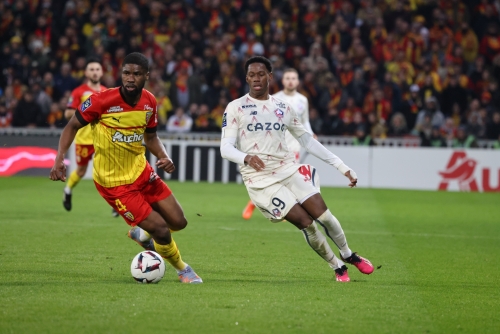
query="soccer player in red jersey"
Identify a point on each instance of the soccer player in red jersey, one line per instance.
(121, 119)
(84, 147)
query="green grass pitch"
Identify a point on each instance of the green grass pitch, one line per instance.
(69, 272)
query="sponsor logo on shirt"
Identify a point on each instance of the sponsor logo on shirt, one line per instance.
(120, 137)
(147, 107)
(115, 109)
(266, 127)
(253, 112)
(224, 120)
(249, 106)
(85, 105)
(280, 104)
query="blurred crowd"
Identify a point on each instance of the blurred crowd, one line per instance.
(370, 68)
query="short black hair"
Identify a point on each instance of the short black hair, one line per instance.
(92, 60)
(137, 58)
(259, 59)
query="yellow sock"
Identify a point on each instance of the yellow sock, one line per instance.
(171, 253)
(73, 180)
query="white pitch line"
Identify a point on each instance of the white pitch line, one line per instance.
(420, 235)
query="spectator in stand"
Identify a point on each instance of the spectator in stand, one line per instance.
(27, 113)
(63, 82)
(463, 139)
(361, 138)
(55, 118)
(493, 128)
(203, 122)
(435, 139)
(453, 93)
(449, 129)
(474, 127)
(332, 125)
(41, 98)
(315, 121)
(397, 126)
(5, 115)
(412, 106)
(179, 122)
(431, 110)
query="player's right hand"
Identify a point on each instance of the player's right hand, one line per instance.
(58, 171)
(352, 177)
(255, 162)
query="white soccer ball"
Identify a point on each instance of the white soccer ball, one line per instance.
(147, 267)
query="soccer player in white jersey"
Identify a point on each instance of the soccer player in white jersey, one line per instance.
(300, 104)
(253, 135)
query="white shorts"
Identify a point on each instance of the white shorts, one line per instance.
(276, 200)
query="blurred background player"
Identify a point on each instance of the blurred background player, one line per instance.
(300, 104)
(122, 118)
(84, 148)
(253, 131)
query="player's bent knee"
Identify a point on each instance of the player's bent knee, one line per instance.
(178, 224)
(162, 235)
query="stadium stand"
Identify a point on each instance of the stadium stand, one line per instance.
(376, 71)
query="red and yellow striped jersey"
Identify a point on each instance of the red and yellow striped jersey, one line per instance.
(118, 130)
(78, 95)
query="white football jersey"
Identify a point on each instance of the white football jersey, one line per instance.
(259, 128)
(301, 106)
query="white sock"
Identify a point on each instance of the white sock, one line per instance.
(143, 236)
(67, 190)
(334, 231)
(318, 242)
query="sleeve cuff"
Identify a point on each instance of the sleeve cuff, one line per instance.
(80, 118)
(151, 130)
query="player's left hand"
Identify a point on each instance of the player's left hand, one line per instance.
(166, 164)
(352, 177)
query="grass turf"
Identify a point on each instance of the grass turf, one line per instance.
(69, 272)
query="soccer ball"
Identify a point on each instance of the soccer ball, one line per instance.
(147, 267)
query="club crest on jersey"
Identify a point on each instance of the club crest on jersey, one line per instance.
(279, 113)
(85, 105)
(276, 212)
(148, 116)
(129, 216)
(224, 120)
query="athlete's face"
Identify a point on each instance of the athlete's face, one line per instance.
(93, 72)
(258, 79)
(290, 80)
(133, 78)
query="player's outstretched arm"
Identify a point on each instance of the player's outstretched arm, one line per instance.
(315, 148)
(155, 146)
(58, 171)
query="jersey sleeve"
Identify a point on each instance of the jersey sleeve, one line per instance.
(305, 118)
(230, 122)
(153, 120)
(74, 99)
(295, 126)
(90, 109)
